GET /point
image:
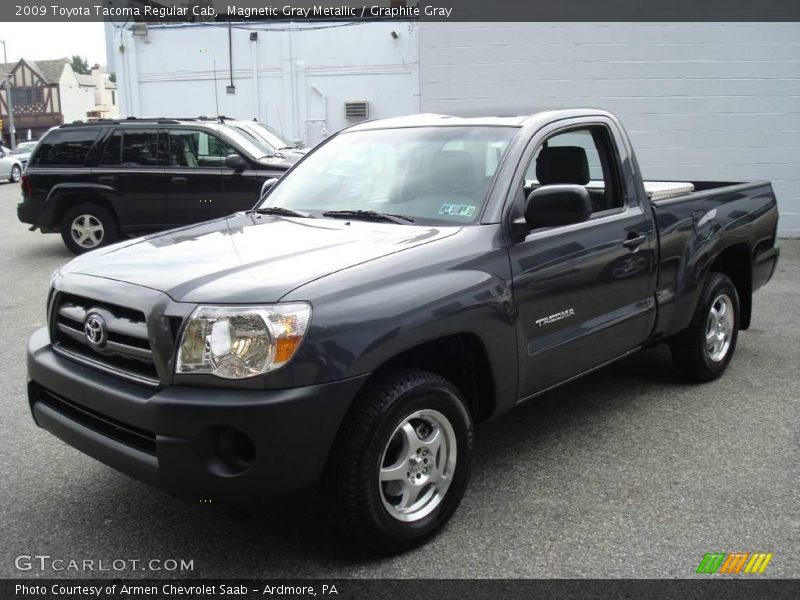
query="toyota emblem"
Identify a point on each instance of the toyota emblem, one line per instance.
(95, 330)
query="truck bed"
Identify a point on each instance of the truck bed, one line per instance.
(737, 217)
(666, 190)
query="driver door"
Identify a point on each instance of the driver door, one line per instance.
(582, 290)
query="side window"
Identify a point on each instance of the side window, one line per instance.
(584, 156)
(193, 148)
(65, 148)
(112, 152)
(140, 148)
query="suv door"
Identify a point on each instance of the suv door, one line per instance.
(195, 188)
(131, 167)
(582, 290)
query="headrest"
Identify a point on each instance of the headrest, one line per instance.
(562, 164)
(453, 167)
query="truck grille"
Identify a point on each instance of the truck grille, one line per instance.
(106, 336)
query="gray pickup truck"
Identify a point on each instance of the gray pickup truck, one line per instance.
(406, 280)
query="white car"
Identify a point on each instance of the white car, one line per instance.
(10, 166)
(269, 139)
(23, 151)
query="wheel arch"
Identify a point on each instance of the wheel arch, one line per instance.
(61, 199)
(735, 262)
(462, 359)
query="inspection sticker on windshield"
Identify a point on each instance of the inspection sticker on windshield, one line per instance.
(458, 210)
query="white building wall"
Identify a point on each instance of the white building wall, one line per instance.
(700, 100)
(76, 101)
(280, 78)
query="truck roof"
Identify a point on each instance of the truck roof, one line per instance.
(440, 120)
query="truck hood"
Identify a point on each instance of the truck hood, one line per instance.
(249, 258)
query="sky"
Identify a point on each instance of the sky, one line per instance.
(41, 41)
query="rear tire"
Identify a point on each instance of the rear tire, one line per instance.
(401, 462)
(16, 174)
(703, 350)
(88, 226)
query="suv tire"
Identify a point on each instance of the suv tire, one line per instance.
(703, 350)
(88, 226)
(401, 461)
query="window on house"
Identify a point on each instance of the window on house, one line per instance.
(25, 96)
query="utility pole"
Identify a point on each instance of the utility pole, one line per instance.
(7, 80)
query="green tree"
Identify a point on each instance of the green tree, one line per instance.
(80, 65)
(112, 77)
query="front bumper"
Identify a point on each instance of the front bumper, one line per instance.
(172, 437)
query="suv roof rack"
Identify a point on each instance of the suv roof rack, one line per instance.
(159, 120)
(220, 118)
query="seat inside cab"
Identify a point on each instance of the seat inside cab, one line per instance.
(579, 157)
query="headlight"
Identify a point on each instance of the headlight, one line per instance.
(237, 342)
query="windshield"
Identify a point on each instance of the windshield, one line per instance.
(270, 136)
(26, 146)
(438, 175)
(255, 139)
(248, 144)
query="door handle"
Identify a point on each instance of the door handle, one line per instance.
(179, 180)
(634, 241)
(109, 179)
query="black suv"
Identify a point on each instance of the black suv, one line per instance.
(95, 182)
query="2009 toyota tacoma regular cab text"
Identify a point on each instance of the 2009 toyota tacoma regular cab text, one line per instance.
(407, 279)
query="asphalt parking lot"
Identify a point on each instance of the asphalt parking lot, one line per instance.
(626, 473)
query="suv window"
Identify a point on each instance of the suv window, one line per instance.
(65, 148)
(112, 153)
(140, 148)
(584, 156)
(134, 148)
(193, 148)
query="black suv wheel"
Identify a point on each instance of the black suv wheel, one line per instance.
(401, 462)
(88, 226)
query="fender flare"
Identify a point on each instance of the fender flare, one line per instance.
(56, 200)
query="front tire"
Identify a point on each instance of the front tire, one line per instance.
(16, 174)
(88, 226)
(401, 461)
(703, 350)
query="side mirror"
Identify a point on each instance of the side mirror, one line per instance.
(554, 205)
(235, 162)
(267, 186)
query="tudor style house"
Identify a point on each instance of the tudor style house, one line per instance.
(47, 93)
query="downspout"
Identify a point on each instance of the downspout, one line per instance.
(254, 63)
(230, 54)
(127, 48)
(324, 119)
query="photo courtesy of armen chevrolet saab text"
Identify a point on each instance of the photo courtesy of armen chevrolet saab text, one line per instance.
(404, 281)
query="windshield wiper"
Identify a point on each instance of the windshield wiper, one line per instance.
(368, 215)
(283, 212)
